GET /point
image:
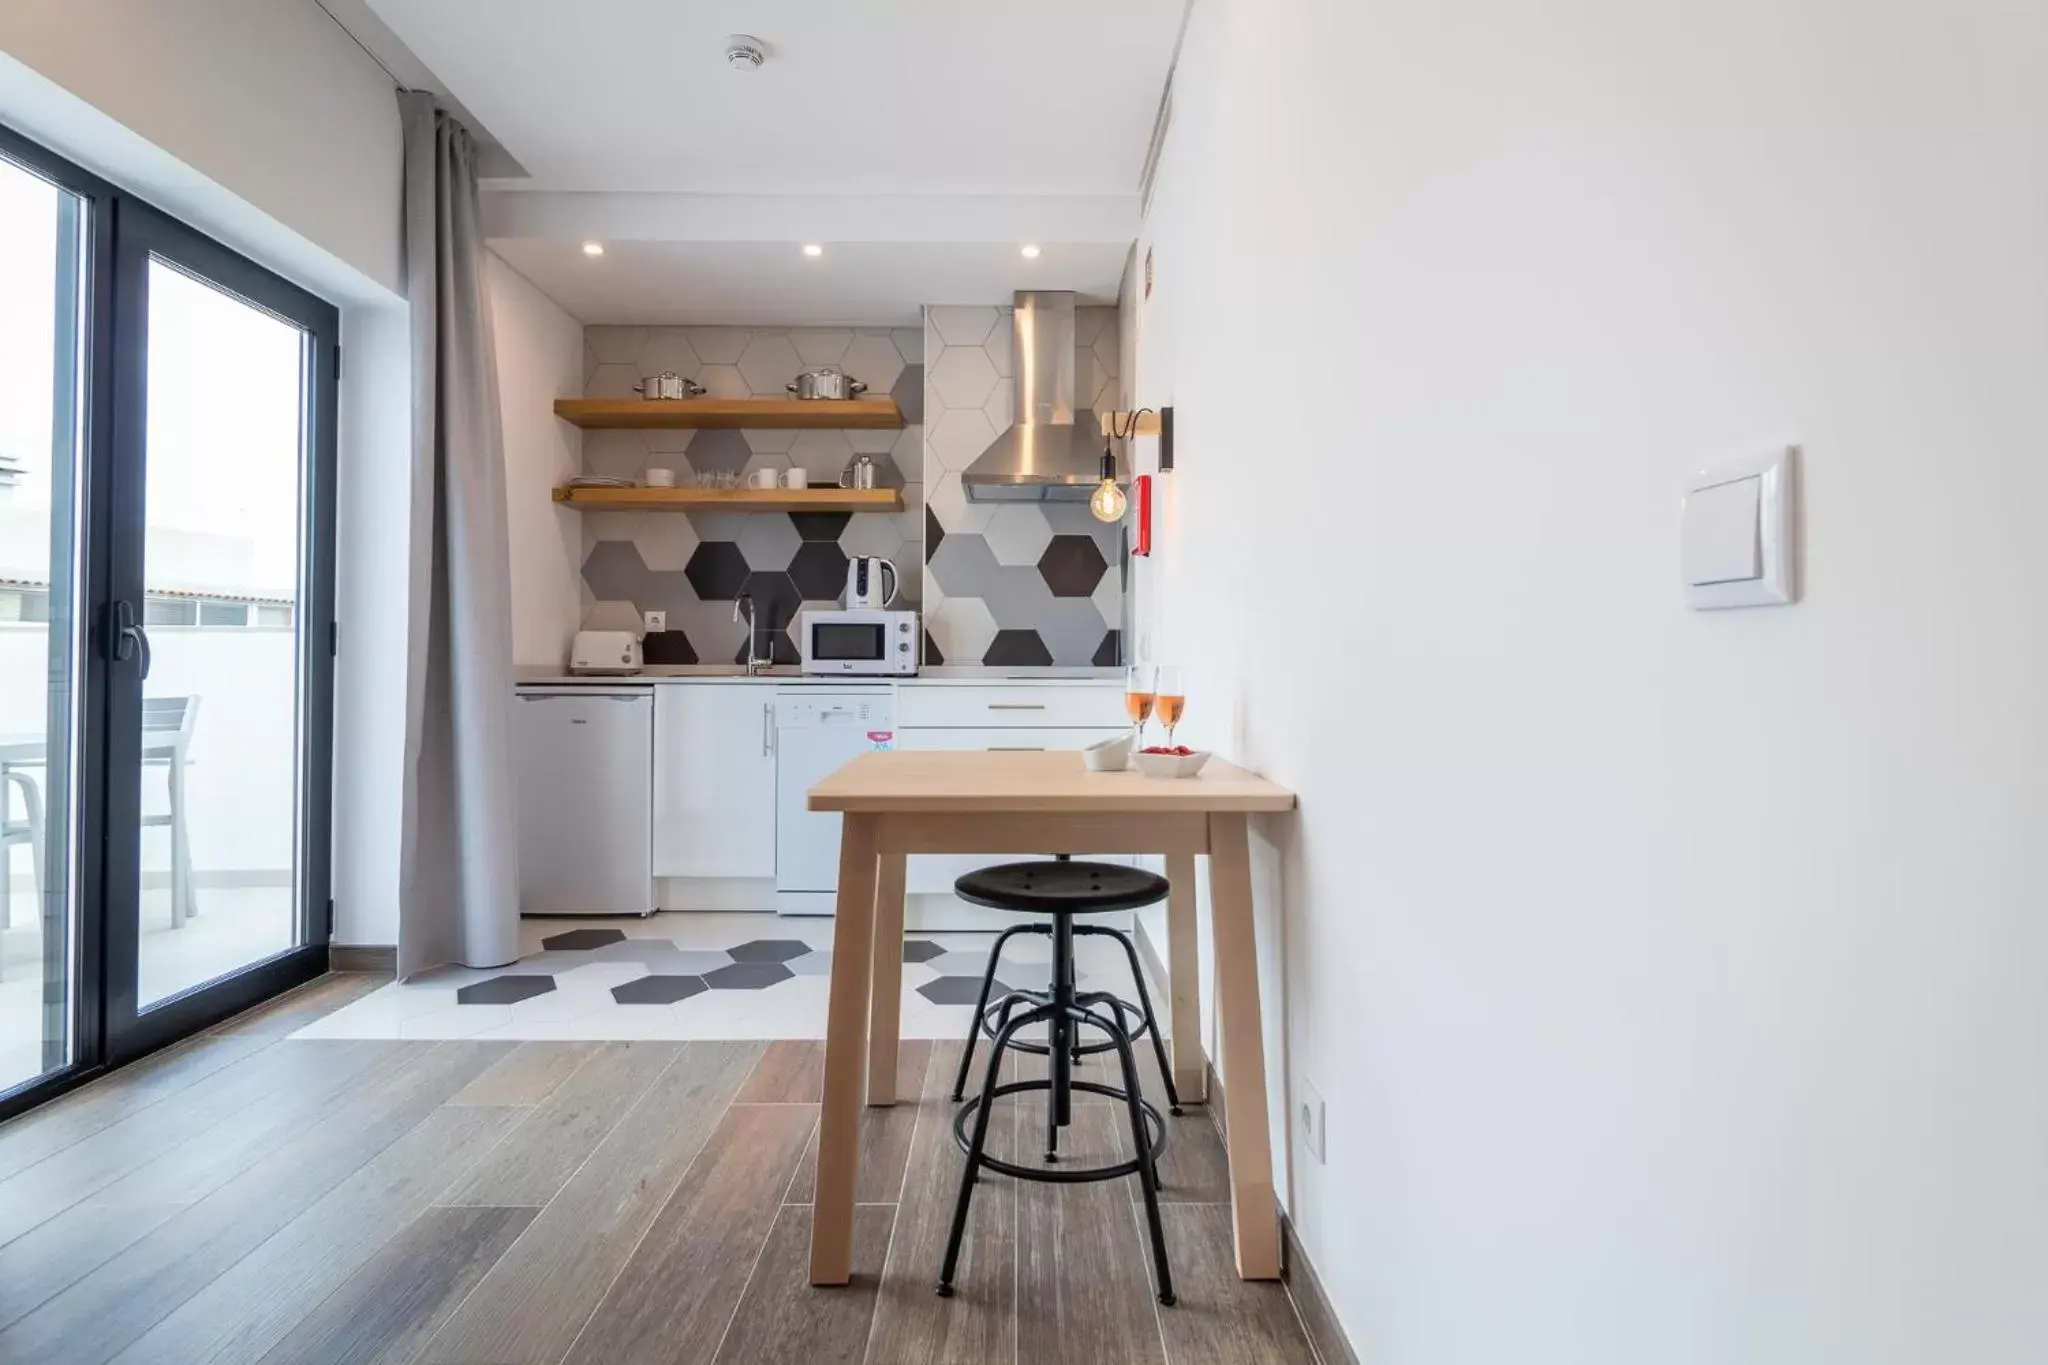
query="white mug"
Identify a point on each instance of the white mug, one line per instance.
(764, 478)
(796, 478)
(661, 478)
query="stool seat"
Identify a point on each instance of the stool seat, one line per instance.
(1070, 888)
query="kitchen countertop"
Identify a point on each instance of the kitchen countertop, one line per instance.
(973, 675)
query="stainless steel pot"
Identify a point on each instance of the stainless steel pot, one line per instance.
(669, 385)
(826, 383)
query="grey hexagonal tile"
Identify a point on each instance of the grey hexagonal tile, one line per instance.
(821, 346)
(1089, 322)
(665, 541)
(659, 990)
(910, 344)
(719, 450)
(1018, 533)
(1109, 599)
(769, 363)
(1073, 519)
(873, 359)
(580, 940)
(872, 533)
(504, 990)
(1018, 596)
(718, 345)
(613, 571)
(823, 455)
(908, 453)
(723, 381)
(768, 541)
(959, 990)
(611, 615)
(1073, 566)
(812, 964)
(615, 345)
(546, 964)
(908, 391)
(1072, 631)
(712, 632)
(747, 976)
(965, 567)
(963, 377)
(819, 570)
(718, 571)
(669, 348)
(769, 441)
(963, 326)
(1014, 648)
(820, 525)
(769, 950)
(615, 454)
(921, 950)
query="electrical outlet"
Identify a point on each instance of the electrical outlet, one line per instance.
(655, 621)
(1310, 1114)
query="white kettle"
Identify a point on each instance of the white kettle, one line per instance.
(871, 583)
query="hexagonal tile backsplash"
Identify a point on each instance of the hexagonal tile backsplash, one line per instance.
(692, 566)
(1023, 584)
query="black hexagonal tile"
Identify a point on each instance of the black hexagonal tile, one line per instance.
(717, 570)
(1017, 649)
(932, 657)
(776, 603)
(504, 990)
(934, 534)
(769, 950)
(581, 940)
(820, 525)
(1110, 653)
(819, 570)
(909, 394)
(659, 990)
(1072, 566)
(921, 950)
(747, 976)
(959, 990)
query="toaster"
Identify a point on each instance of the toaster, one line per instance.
(604, 651)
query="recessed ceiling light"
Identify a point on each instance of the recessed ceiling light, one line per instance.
(1028, 251)
(813, 249)
(593, 248)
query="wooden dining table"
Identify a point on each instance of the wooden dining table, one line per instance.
(894, 803)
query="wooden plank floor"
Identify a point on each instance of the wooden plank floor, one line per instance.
(247, 1198)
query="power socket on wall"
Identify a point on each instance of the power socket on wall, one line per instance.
(1309, 1118)
(655, 621)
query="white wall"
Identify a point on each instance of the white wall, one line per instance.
(1674, 980)
(540, 359)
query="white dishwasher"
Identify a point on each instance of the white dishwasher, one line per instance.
(586, 800)
(817, 731)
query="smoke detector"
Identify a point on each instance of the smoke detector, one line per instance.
(744, 52)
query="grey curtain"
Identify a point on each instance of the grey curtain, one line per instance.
(458, 868)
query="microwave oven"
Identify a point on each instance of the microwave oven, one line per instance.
(859, 643)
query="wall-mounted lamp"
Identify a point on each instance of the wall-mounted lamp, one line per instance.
(1144, 422)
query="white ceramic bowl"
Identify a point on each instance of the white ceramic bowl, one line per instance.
(1108, 756)
(1171, 765)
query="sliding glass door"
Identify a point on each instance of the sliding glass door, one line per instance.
(166, 570)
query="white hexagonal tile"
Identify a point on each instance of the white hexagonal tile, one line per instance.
(963, 378)
(612, 380)
(1109, 599)
(1018, 533)
(765, 459)
(615, 454)
(874, 361)
(908, 453)
(872, 442)
(768, 364)
(1001, 406)
(615, 345)
(1107, 348)
(910, 344)
(665, 446)
(872, 533)
(615, 616)
(719, 345)
(962, 326)
(963, 628)
(1088, 324)
(948, 502)
(822, 345)
(668, 348)
(665, 541)
(1001, 342)
(768, 542)
(723, 381)
(821, 454)
(590, 361)
(767, 441)
(958, 438)
(609, 526)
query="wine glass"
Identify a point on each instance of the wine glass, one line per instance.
(1138, 700)
(1168, 699)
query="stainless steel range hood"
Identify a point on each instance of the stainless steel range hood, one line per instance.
(1053, 453)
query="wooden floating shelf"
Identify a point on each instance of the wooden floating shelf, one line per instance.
(781, 414)
(733, 499)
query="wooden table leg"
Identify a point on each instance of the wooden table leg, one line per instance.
(1253, 1211)
(885, 1014)
(1184, 982)
(846, 1019)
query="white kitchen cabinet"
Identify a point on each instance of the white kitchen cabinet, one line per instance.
(714, 780)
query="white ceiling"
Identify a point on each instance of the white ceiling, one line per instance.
(953, 97)
(774, 284)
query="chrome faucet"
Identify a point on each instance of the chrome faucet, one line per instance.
(743, 609)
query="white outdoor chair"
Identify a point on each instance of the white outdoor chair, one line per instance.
(166, 736)
(27, 830)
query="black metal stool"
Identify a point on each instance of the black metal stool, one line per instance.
(1062, 890)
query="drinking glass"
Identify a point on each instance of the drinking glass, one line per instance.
(1138, 700)
(1168, 699)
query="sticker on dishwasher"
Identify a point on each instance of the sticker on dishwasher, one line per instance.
(881, 739)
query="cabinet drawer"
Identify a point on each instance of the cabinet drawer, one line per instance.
(921, 705)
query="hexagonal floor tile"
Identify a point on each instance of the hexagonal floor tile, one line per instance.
(748, 976)
(959, 990)
(581, 940)
(659, 990)
(970, 963)
(769, 950)
(921, 950)
(504, 990)
(811, 964)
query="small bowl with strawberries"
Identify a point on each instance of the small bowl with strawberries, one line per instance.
(1170, 761)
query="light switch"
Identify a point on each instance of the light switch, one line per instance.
(1736, 533)
(1721, 532)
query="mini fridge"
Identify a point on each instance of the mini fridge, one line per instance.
(585, 780)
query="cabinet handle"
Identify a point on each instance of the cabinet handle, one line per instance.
(1016, 706)
(1016, 748)
(767, 728)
